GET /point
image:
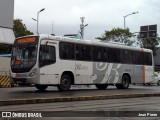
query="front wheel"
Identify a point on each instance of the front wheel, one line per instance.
(65, 83)
(101, 86)
(41, 87)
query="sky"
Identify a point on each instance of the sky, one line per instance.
(63, 16)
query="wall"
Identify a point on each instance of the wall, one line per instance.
(6, 13)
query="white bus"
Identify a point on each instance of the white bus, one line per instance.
(47, 60)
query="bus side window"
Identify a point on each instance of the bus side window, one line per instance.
(47, 55)
(66, 51)
(137, 58)
(114, 55)
(147, 59)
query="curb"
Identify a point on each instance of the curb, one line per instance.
(69, 99)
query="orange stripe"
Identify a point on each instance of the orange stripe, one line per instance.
(144, 73)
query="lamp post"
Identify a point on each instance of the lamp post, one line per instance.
(37, 20)
(127, 16)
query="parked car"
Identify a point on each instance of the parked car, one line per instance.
(157, 78)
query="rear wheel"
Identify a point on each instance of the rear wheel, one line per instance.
(41, 87)
(158, 83)
(65, 83)
(101, 86)
(125, 83)
(119, 86)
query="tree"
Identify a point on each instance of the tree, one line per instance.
(5, 48)
(118, 35)
(149, 43)
(20, 29)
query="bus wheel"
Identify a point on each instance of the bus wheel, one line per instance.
(125, 83)
(65, 83)
(119, 86)
(101, 86)
(158, 83)
(41, 87)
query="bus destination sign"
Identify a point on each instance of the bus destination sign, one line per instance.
(26, 40)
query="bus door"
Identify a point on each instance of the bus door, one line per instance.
(138, 67)
(48, 63)
(148, 69)
(84, 69)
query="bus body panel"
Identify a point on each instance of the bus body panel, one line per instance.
(49, 75)
(148, 74)
(83, 72)
(137, 74)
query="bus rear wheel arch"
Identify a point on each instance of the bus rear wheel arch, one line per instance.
(125, 82)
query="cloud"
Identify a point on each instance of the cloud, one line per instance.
(101, 15)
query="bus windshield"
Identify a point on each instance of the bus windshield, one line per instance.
(23, 57)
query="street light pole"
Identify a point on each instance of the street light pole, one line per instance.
(127, 16)
(37, 20)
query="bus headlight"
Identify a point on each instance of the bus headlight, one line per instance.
(33, 72)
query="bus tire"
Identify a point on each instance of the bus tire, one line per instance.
(119, 86)
(101, 86)
(158, 83)
(41, 87)
(65, 83)
(125, 83)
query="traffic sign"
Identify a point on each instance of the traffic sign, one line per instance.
(148, 31)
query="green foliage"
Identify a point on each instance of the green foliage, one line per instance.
(149, 43)
(20, 29)
(118, 35)
(5, 48)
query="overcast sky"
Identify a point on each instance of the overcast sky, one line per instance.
(100, 15)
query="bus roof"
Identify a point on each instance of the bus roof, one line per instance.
(90, 42)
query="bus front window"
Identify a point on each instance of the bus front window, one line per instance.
(23, 57)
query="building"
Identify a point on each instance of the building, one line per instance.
(6, 33)
(157, 60)
(6, 21)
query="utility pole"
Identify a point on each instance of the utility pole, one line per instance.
(52, 27)
(82, 27)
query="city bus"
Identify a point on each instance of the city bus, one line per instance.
(47, 60)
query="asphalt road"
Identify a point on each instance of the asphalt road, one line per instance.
(51, 92)
(127, 104)
(95, 109)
